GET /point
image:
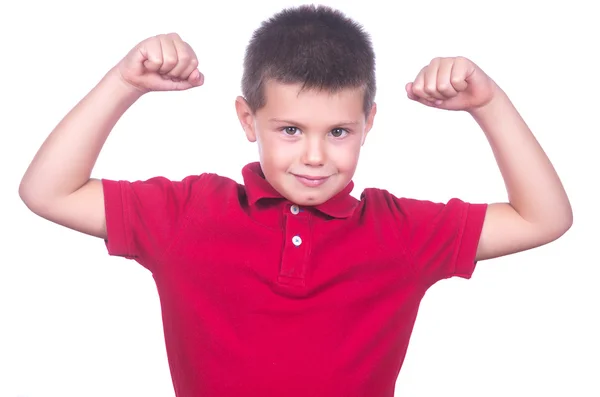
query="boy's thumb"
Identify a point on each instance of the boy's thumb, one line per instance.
(196, 78)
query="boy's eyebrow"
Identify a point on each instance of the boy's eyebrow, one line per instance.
(290, 122)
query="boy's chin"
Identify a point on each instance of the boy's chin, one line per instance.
(307, 199)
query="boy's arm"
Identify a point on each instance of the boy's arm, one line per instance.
(57, 184)
(538, 211)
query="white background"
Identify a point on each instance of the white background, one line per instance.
(75, 322)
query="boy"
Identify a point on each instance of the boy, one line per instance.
(286, 285)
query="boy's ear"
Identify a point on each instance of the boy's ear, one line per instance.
(369, 123)
(246, 117)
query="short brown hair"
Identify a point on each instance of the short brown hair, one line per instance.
(316, 46)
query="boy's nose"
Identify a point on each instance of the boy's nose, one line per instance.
(314, 153)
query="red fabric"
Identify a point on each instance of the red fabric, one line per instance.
(246, 312)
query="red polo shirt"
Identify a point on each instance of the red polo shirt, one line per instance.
(261, 297)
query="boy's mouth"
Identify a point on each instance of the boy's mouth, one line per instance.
(311, 180)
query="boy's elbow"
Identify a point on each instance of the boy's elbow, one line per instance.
(557, 222)
(560, 227)
(31, 198)
(28, 198)
(567, 224)
(566, 220)
(24, 192)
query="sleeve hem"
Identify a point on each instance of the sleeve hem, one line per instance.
(117, 241)
(473, 224)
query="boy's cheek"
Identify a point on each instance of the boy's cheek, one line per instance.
(346, 156)
(282, 148)
(279, 154)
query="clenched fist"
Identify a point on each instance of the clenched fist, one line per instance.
(453, 84)
(161, 63)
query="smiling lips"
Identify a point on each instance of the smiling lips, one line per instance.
(311, 181)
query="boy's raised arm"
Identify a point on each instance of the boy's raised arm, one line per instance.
(57, 184)
(538, 210)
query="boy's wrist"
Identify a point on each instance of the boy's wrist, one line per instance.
(499, 100)
(119, 87)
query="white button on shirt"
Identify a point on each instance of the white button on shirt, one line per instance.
(296, 240)
(295, 209)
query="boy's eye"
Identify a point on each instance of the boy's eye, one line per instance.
(338, 132)
(290, 130)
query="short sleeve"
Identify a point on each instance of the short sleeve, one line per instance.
(143, 217)
(441, 238)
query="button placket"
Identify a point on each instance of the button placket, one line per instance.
(293, 261)
(296, 240)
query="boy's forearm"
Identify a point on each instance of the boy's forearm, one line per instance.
(65, 160)
(534, 188)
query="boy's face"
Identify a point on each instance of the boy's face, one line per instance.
(309, 141)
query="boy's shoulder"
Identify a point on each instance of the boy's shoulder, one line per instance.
(219, 189)
(217, 185)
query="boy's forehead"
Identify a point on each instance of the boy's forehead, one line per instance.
(294, 99)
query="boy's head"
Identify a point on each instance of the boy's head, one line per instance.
(309, 88)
